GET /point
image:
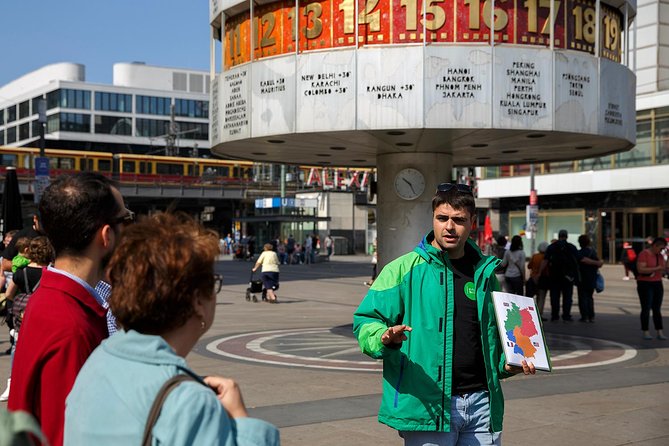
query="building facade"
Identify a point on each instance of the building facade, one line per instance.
(616, 198)
(147, 109)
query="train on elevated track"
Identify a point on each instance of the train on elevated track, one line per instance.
(159, 170)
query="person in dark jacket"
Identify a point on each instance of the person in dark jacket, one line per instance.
(439, 388)
(561, 261)
(588, 263)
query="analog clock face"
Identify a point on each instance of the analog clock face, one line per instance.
(409, 184)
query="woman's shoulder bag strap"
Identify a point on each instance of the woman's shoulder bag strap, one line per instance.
(154, 413)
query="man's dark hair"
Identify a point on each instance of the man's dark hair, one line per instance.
(74, 207)
(516, 243)
(456, 199)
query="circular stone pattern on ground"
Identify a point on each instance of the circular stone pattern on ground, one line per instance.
(336, 349)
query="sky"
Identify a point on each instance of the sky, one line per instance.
(100, 33)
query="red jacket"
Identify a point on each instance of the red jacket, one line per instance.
(63, 324)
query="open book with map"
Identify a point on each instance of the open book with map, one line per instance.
(520, 330)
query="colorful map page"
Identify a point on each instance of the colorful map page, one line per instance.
(520, 328)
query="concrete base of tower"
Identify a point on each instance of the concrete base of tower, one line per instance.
(406, 185)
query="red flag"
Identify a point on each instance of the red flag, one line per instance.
(487, 230)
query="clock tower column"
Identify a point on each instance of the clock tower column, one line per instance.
(402, 218)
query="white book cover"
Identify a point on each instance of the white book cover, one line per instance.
(520, 330)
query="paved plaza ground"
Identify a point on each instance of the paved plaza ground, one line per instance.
(299, 366)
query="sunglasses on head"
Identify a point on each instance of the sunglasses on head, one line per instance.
(218, 283)
(127, 218)
(462, 188)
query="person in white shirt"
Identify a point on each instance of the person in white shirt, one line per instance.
(269, 262)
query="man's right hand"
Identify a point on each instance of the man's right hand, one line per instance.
(395, 334)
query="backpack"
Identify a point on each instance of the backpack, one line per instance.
(563, 264)
(15, 428)
(21, 302)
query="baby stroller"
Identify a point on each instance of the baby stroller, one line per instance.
(255, 286)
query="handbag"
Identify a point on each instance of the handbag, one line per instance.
(599, 282)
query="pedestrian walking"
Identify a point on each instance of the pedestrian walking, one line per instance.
(269, 264)
(439, 387)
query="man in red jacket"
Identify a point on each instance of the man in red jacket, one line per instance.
(83, 216)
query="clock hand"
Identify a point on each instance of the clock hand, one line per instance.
(410, 185)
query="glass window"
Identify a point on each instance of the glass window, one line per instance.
(169, 169)
(193, 130)
(11, 135)
(53, 123)
(640, 155)
(36, 125)
(52, 99)
(661, 140)
(24, 109)
(104, 165)
(152, 105)
(2, 136)
(113, 102)
(151, 127)
(601, 163)
(113, 125)
(11, 113)
(191, 108)
(559, 167)
(24, 131)
(128, 167)
(68, 99)
(8, 159)
(2, 116)
(35, 104)
(144, 167)
(65, 163)
(126, 104)
(75, 122)
(218, 171)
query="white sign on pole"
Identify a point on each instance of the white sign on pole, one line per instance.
(532, 217)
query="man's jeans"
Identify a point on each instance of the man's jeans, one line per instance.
(470, 425)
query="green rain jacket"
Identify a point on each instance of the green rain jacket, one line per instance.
(417, 289)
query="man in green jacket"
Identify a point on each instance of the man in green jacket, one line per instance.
(429, 315)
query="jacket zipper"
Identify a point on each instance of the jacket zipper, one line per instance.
(442, 377)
